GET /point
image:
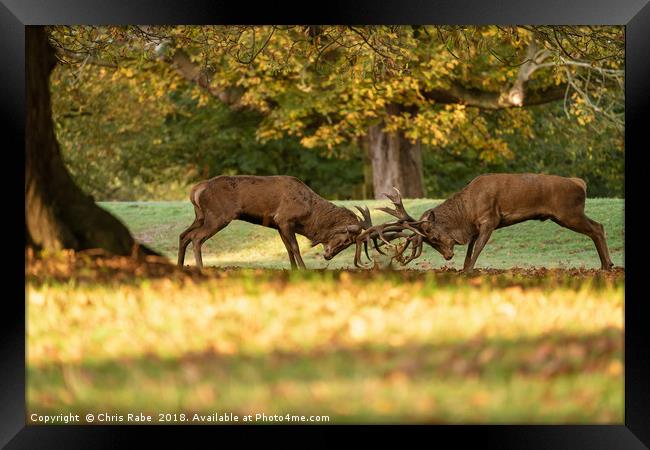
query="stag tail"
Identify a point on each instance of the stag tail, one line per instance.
(580, 182)
(198, 212)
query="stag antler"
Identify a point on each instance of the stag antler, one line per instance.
(399, 210)
(390, 231)
(366, 223)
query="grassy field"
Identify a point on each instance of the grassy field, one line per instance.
(240, 244)
(532, 345)
(360, 347)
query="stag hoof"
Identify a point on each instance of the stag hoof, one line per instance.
(607, 267)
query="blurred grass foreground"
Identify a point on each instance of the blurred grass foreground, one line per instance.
(120, 336)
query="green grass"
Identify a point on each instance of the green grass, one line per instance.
(361, 347)
(529, 244)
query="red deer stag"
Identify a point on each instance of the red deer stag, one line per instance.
(281, 202)
(489, 202)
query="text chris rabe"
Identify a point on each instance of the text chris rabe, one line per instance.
(172, 418)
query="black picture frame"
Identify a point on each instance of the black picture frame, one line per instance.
(635, 14)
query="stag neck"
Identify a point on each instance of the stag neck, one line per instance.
(326, 218)
(451, 216)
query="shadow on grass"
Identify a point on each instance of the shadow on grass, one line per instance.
(546, 357)
(87, 267)
(98, 267)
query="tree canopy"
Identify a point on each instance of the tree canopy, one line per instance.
(184, 102)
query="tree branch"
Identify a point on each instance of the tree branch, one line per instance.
(458, 94)
(534, 58)
(70, 57)
(193, 73)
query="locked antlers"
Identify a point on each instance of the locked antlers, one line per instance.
(404, 227)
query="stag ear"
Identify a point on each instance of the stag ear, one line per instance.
(353, 228)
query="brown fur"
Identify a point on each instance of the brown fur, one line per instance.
(281, 202)
(495, 201)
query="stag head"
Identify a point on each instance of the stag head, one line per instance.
(436, 237)
(344, 237)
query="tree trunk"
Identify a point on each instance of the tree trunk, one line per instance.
(58, 214)
(395, 162)
(367, 190)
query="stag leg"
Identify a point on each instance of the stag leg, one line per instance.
(296, 250)
(287, 244)
(202, 234)
(184, 238)
(290, 236)
(484, 233)
(584, 225)
(183, 241)
(601, 244)
(468, 256)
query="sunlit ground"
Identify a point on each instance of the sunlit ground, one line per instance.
(369, 347)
